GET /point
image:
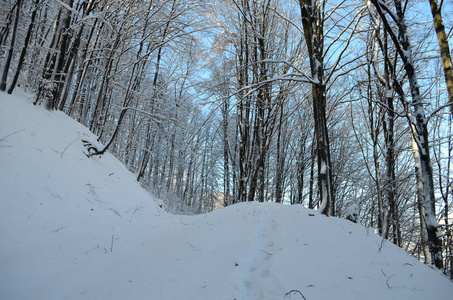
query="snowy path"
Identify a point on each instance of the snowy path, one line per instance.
(254, 270)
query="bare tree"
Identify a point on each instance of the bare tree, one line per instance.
(418, 125)
(314, 16)
(9, 55)
(25, 46)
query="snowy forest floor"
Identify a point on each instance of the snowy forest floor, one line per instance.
(73, 227)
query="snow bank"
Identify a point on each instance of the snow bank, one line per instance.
(74, 227)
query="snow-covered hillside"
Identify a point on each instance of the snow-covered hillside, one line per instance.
(73, 227)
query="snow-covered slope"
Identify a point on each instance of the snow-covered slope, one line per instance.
(73, 227)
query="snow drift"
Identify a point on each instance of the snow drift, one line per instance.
(74, 227)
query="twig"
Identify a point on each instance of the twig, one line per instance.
(381, 244)
(58, 229)
(388, 278)
(266, 252)
(4, 138)
(31, 215)
(61, 156)
(116, 212)
(295, 292)
(111, 245)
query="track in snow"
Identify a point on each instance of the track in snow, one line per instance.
(254, 269)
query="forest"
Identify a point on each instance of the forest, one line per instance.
(344, 106)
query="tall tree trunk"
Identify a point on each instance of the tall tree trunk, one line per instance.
(444, 48)
(388, 208)
(59, 75)
(9, 53)
(419, 127)
(388, 124)
(24, 48)
(81, 75)
(312, 21)
(99, 111)
(301, 166)
(71, 60)
(311, 199)
(279, 162)
(243, 109)
(390, 186)
(146, 154)
(424, 239)
(52, 81)
(4, 31)
(226, 157)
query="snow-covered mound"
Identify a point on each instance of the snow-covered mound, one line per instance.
(73, 227)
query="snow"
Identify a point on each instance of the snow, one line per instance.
(323, 167)
(389, 93)
(353, 213)
(74, 227)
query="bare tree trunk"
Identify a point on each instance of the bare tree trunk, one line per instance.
(280, 160)
(388, 124)
(59, 75)
(388, 207)
(311, 200)
(444, 48)
(24, 49)
(81, 75)
(312, 21)
(419, 127)
(9, 53)
(226, 157)
(374, 132)
(424, 240)
(243, 112)
(301, 166)
(390, 188)
(4, 31)
(99, 111)
(146, 154)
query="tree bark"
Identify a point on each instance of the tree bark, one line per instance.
(312, 21)
(59, 75)
(226, 157)
(419, 127)
(442, 39)
(24, 49)
(9, 53)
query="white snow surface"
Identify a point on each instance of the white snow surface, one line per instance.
(73, 227)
